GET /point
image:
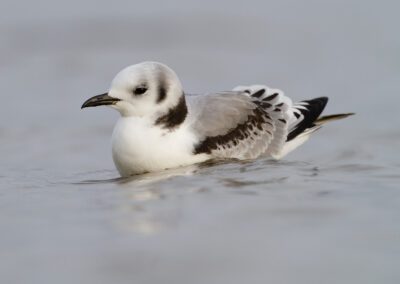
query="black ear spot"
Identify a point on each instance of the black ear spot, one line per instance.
(162, 93)
(139, 91)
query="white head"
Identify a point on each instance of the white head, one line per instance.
(144, 89)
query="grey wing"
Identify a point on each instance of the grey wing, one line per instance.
(245, 123)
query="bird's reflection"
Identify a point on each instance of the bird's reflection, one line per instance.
(154, 177)
(151, 203)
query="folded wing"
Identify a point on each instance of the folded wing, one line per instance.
(245, 123)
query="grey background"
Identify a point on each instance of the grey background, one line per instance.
(327, 213)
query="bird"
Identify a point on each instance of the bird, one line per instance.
(162, 127)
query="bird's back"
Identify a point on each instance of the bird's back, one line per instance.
(251, 121)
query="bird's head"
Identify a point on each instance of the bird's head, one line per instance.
(141, 90)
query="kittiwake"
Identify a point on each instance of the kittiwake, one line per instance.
(161, 127)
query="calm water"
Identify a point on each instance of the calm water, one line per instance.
(327, 213)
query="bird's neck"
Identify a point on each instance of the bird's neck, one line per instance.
(174, 116)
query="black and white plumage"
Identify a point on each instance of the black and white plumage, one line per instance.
(161, 127)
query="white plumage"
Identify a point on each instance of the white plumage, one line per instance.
(161, 127)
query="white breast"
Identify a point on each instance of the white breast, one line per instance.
(138, 146)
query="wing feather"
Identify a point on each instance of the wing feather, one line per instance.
(245, 123)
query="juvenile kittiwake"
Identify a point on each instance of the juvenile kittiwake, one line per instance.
(161, 127)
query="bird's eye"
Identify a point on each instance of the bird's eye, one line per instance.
(140, 91)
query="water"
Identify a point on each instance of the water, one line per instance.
(327, 213)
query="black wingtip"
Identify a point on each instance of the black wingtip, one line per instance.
(313, 109)
(317, 104)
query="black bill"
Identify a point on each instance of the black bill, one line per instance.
(100, 100)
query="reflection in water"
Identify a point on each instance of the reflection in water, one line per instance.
(144, 209)
(153, 202)
(145, 194)
(236, 183)
(149, 178)
(144, 179)
(231, 182)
